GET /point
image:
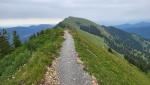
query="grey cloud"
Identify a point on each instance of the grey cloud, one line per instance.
(97, 10)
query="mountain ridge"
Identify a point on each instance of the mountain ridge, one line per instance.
(96, 46)
(134, 47)
(100, 58)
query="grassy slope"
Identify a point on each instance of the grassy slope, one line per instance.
(108, 68)
(22, 67)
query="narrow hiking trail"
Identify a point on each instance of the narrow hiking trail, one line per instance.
(69, 71)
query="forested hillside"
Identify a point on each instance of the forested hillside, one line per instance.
(135, 48)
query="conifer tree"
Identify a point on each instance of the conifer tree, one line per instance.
(4, 44)
(110, 50)
(16, 40)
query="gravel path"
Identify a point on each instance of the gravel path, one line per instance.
(69, 71)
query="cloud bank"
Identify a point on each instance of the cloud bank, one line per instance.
(109, 11)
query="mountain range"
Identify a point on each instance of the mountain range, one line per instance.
(141, 28)
(25, 32)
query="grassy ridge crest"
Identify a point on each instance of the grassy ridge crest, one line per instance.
(108, 68)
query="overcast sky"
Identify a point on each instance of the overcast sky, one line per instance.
(53, 11)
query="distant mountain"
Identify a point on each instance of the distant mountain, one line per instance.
(142, 28)
(26, 32)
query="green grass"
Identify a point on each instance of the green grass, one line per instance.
(24, 67)
(108, 68)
